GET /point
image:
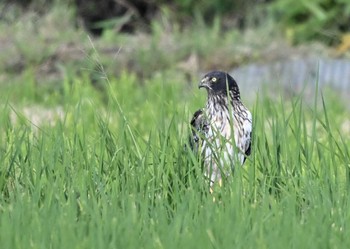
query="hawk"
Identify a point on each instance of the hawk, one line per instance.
(221, 132)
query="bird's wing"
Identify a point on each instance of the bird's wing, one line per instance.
(199, 127)
(249, 147)
(247, 128)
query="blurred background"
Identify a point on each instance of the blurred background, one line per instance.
(46, 45)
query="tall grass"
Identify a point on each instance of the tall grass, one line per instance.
(114, 173)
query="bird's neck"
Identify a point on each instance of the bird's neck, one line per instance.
(221, 105)
(223, 99)
(216, 102)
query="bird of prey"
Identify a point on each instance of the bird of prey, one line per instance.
(221, 132)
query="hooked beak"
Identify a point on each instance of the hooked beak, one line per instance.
(204, 83)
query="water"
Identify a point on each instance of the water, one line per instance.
(295, 74)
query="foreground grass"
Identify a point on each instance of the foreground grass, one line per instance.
(113, 173)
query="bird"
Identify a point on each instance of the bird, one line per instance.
(221, 132)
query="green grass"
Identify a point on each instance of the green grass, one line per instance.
(93, 163)
(113, 172)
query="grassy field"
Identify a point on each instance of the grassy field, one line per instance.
(96, 161)
(109, 170)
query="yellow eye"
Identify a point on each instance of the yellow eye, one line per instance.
(213, 79)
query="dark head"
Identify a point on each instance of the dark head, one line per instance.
(217, 83)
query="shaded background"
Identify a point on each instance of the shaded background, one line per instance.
(260, 41)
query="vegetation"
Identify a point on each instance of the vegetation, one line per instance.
(119, 176)
(316, 19)
(94, 132)
(301, 21)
